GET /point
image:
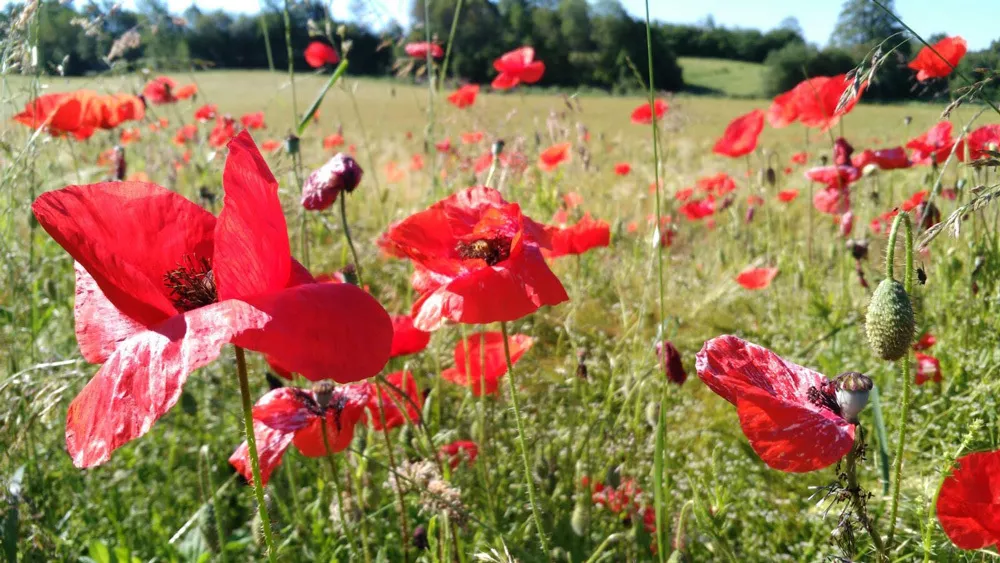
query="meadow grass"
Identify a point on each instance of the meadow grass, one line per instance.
(153, 500)
(723, 77)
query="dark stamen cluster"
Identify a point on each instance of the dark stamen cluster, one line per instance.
(824, 396)
(491, 250)
(191, 284)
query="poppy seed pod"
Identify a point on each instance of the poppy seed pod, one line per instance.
(340, 174)
(890, 323)
(670, 359)
(324, 393)
(770, 178)
(852, 394)
(497, 149)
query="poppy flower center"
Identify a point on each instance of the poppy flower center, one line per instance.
(491, 250)
(191, 284)
(825, 396)
(327, 400)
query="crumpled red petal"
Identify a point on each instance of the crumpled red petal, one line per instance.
(287, 409)
(396, 409)
(100, 326)
(271, 446)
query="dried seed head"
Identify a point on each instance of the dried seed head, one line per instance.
(852, 394)
(890, 323)
(340, 174)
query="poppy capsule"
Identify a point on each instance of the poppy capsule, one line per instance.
(340, 174)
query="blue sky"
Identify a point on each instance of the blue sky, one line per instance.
(816, 17)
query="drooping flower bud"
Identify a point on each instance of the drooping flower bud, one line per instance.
(340, 174)
(890, 323)
(419, 540)
(852, 394)
(497, 148)
(842, 151)
(670, 359)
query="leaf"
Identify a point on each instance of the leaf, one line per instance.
(10, 522)
(99, 552)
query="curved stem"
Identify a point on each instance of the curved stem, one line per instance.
(512, 386)
(258, 488)
(904, 364)
(347, 235)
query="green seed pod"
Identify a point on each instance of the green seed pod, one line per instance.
(890, 323)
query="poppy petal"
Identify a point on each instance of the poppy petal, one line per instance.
(406, 338)
(271, 446)
(505, 81)
(286, 409)
(144, 377)
(389, 400)
(967, 506)
(340, 432)
(127, 235)
(532, 73)
(100, 326)
(252, 253)
(322, 331)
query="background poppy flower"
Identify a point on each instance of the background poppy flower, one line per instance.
(333, 141)
(517, 66)
(480, 259)
(253, 120)
(60, 113)
(623, 168)
(206, 112)
(224, 130)
(982, 139)
(185, 134)
(289, 415)
(788, 195)
(967, 505)
(319, 54)
(698, 209)
(443, 146)
(464, 96)
(756, 278)
(740, 136)
(406, 338)
(420, 49)
(160, 90)
(929, 64)
(800, 158)
(817, 100)
(934, 145)
(928, 369)
(271, 145)
(925, 342)
(784, 110)
(670, 361)
(586, 234)
(486, 361)
(472, 137)
(552, 157)
(387, 402)
(186, 91)
(160, 303)
(785, 410)
(458, 451)
(832, 200)
(643, 115)
(834, 176)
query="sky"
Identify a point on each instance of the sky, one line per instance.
(816, 17)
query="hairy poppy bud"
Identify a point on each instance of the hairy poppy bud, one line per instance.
(770, 178)
(890, 323)
(340, 174)
(580, 520)
(670, 359)
(852, 394)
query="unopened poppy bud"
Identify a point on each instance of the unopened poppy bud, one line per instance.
(497, 149)
(770, 178)
(340, 174)
(858, 248)
(292, 144)
(580, 520)
(120, 165)
(670, 360)
(852, 394)
(890, 323)
(324, 392)
(907, 120)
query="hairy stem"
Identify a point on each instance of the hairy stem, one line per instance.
(347, 235)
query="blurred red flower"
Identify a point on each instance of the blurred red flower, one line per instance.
(784, 111)
(834, 176)
(552, 157)
(160, 90)
(623, 168)
(385, 402)
(789, 413)
(186, 91)
(740, 137)
(788, 195)
(717, 185)
(160, 303)
(420, 49)
(206, 112)
(800, 158)
(884, 159)
(925, 342)
(271, 145)
(253, 120)
(982, 139)
(968, 507)
(406, 338)
(815, 102)
(698, 209)
(486, 361)
(472, 137)
(670, 361)
(129, 136)
(756, 278)
(320, 53)
(928, 369)
(934, 145)
(458, 451)
(464, 96)
(443, 146)
(929, 64)
(516, 67)
(586, 234)
(224, 130)
(832, 200)
(289, 415)
(643, 115)
(333, 141)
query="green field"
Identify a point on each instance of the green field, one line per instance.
(157, 499)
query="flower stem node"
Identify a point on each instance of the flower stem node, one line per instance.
(890, 323)
(853, 389)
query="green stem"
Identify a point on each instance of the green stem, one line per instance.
(904, 364)
(404, 534)
(512, 386)
(209, 496)
(267, 41)
(335, 477)
(258, 487)
(451, 42)
(858, 495)
(347, 235)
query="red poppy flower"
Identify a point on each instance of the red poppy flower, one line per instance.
(740, 137)
(484, 349)
(473, 137)
(129, 136)
(929, 64)
(420, 50)
(159, 303)
(834, 176)
(967, 505)
(416, 163)
(185, 134)
(224, 130)
(289, 415)
(643, 115)
(756, 278)
(186, 91)
(982, 139)
(928, 369)
(271, 145)
(406, 338)
(783, 111)
(925, 342)
(800, 158)
(333, 141)
(458, 451)
(206, 112)
(817, 100)
(915, 200)
(59, 113)
(253, 120)
(717, 185)
(670, 361)
(552, 157)
(623, 168)
(572, 200)
(698, 209)
(443, 146)
(319, 53)
(788, 195)
(832, 200)
(788, 413)
(934, 145)
(516, 67)
(846, 224)
(387, 402)
(482, 257)
(755, 200)
(464, 96)
(160, 90)
(885, 159)
(116, 109)
(586, 234)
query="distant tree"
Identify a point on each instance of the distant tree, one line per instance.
(791, 23)
(864, 24)
(795, 62)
